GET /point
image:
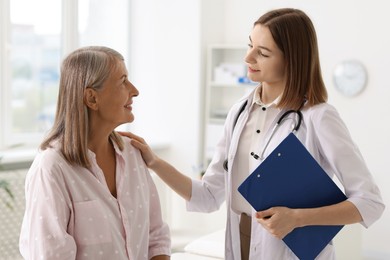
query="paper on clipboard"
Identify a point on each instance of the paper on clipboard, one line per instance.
(291, 177)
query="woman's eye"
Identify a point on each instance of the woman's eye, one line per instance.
(262, 54)
(259, 51)
(124, 81)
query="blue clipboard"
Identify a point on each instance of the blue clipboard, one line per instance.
(291, 177)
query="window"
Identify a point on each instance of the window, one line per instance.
(35, 37)
(33, 59)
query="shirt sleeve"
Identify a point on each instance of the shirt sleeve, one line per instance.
(43, 234)
(343, 157)
(159, 234)
(208, 194)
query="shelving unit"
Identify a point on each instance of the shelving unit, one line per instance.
(226, 82)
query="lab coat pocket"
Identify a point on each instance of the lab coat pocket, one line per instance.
(91, 224)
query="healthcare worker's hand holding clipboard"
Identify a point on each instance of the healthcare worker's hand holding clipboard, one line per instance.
(291, 177)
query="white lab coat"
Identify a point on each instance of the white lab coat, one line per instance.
(326, 137)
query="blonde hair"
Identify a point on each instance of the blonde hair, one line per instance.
(294, 34)
(84, 67)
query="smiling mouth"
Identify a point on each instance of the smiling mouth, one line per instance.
(252, 70)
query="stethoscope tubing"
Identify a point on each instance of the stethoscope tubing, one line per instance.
(278, 123)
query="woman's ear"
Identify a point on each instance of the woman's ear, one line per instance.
(90, 98)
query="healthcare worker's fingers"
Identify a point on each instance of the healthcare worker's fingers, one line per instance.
(139, 143)
(264, 214)
(279, 221)
(132, 136)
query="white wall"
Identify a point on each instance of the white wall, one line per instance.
(165, 65)
(168, 66)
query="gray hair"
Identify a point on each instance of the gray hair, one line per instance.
(86, 67)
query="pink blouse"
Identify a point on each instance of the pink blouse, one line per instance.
(71, 214)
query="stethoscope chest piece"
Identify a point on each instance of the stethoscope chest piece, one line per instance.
(225, 165)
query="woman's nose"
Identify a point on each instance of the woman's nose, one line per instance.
(249, 57)
(133, 90)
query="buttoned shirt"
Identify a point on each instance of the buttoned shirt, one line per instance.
(71, 213)
(260, 117)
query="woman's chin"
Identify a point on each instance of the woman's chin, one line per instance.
(253, 78)
(129, 119)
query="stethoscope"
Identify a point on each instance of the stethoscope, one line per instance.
(275, 128)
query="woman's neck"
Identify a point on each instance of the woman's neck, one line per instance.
(269, 93)
(99, 141)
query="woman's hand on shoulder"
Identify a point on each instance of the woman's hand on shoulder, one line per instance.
(138, 142)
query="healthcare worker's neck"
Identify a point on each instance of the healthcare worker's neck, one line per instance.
(270, 92)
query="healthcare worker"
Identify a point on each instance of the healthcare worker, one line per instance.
(283, 57)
